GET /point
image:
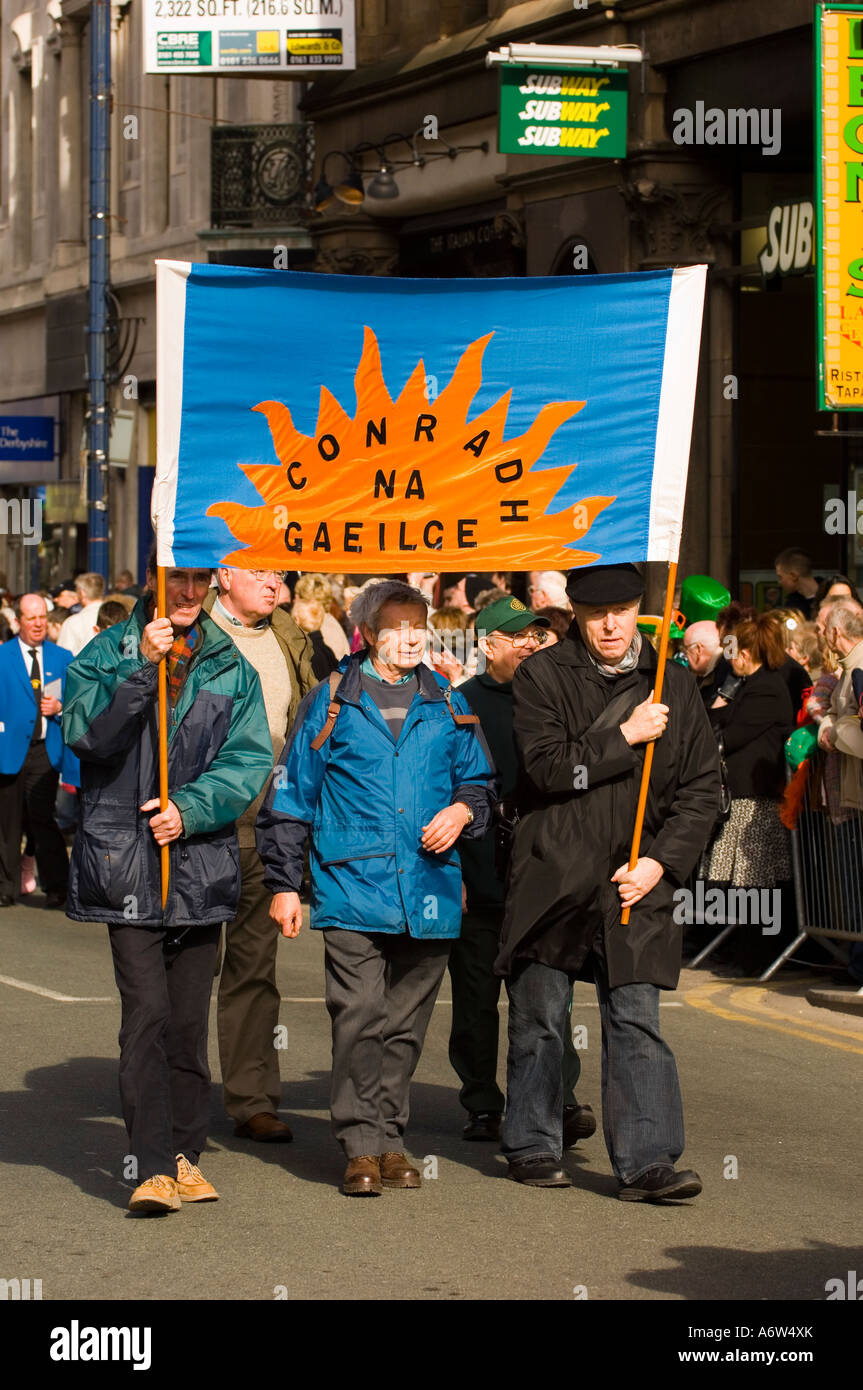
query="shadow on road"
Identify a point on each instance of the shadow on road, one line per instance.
(68, 1120)
(711, 1272)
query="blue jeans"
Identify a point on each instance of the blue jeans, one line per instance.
(642, 1110)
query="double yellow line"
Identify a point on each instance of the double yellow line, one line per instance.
(750, 1007)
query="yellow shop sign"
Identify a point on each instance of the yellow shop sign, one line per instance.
(839, 183)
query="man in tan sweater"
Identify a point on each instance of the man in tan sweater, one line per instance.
(248, 1006)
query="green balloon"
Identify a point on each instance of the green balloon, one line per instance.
(701, 598)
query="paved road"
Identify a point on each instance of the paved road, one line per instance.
(768, 1082)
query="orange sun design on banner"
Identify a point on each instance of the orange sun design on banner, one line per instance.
(410, 480)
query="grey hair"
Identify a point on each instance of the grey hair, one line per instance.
(376, 593)
(848, 618)
(90, 585)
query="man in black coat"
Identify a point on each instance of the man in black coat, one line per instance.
(508, 633)
(583, 719)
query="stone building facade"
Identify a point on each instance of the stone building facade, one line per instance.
(759, 471)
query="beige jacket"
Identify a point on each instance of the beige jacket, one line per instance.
(845, 719)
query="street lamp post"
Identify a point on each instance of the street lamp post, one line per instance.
(98, 415)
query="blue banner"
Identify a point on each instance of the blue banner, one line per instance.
(350, 423)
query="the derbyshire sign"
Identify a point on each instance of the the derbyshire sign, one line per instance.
(839, 175)
(249, 36)
(577, 111)
(27, 449)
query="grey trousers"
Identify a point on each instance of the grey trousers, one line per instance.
(380, 991)
(248, 1008)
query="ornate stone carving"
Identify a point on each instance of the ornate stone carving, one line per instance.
(357, 260)
(511, 224)
(67, 33)
(673, 221)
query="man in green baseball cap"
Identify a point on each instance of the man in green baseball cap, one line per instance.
(507, 633)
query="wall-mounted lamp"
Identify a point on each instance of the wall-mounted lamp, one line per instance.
(351, 190)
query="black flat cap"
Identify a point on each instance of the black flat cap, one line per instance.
(596, 584)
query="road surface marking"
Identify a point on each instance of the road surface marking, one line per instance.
(52, 993)
(754, 1000)
(700, 999)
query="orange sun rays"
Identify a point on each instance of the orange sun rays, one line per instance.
(398, 475)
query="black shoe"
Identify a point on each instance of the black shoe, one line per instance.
(55, 900)
(6, 900)
(482, 1124)
(541, 1171)
(579, 1122)
(661, 1184)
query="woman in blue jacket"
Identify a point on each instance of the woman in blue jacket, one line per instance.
(385, 769)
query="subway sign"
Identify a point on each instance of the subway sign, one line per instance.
(789, 244)
(572, 111)
(839, 204)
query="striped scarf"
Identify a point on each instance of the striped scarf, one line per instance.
(186, 643)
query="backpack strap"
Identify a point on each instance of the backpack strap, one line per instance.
(459, 719)
(332, 712)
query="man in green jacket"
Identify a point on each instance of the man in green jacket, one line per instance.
(248, 1010)
(508, 634)
(219, 756)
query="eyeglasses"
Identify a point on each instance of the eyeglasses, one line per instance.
(523, 638)
(261, 576)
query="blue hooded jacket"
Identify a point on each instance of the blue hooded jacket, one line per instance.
(365, 798)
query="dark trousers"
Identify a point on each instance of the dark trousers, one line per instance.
(473, 1041)
(165, 987)
(642, 1110)
(32, 792)
(380, 991)
(248, 1009)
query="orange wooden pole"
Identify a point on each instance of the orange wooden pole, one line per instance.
(657, 699)
(161, 611)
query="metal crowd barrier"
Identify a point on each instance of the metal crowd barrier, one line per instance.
(827, 864)
(827, 870)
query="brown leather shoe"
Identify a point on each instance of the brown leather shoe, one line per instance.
(266, 1129)
(363, 1177)
(398, 1171)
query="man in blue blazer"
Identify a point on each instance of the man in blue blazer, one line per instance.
(32, 679)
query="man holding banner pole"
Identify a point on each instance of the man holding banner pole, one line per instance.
(164, 935)
(584, 717)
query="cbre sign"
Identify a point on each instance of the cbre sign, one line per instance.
(556, 111)
(839, 178)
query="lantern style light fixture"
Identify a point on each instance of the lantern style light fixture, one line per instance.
(351, 190)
